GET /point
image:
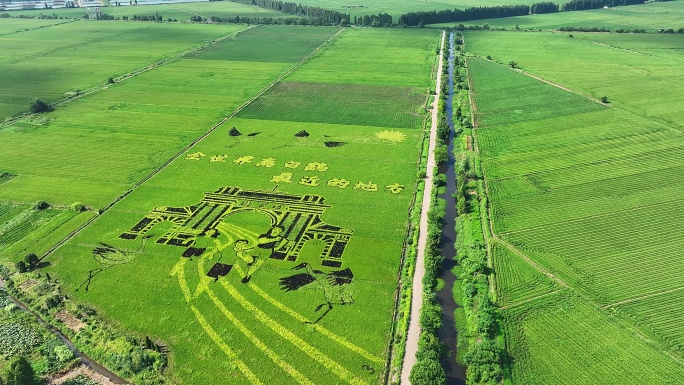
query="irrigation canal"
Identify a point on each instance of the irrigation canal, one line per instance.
(455, 373)
(87, 361)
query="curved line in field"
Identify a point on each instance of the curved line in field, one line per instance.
(340, 340)
(289, 336)
(226, 349)
(179, 270)
(278, 360)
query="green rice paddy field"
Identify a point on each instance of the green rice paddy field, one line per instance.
(336, 180)
(398, 7)
(585, 202)
(651, 17)
(177, 11)
(52, 62)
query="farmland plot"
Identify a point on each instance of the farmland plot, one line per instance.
(53, 62)
(589, 193)
(269, 251)
(650, 17)
(133, 127)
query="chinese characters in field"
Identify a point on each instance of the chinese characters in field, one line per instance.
(313, 170)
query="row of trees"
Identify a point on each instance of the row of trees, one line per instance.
(428, 370)
(326, 16)
(482, 331)
(580, 5)
(420, 18)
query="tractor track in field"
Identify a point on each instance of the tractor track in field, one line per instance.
(39, 27)
(638, 52)
(561, 87)
(526, 300)
(413, 333)
(189, 146)
(634, 299)
(126, 76)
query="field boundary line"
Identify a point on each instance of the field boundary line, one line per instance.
(413, 333)
(635, 51)
(643, 297)
(532, 263)
(126, 76)
(40, 27)
(524, 301)
(187, 147)
(520, 71)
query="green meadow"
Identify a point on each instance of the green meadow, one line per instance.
(336, 178)
(177, 11)
(583, 201)
(650, 17)
(398, 7)
(53, 62)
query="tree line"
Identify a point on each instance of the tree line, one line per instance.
(325, 16)
(419, 18)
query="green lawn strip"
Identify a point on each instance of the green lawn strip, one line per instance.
(41, 240)
(11, 26)
(353, 104)
(26, 244)
(21, 225)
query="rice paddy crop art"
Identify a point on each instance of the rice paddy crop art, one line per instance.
(282, 247)
(266, 253)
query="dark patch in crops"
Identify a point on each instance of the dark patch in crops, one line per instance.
(368, 368)
(234, 132)
(254, 134)
(219, 270)
(109, 256)
(358, 105)
(302, 134)
(334, 144)
(193, 252)
(5, 177)
(296, 281)
(334, 286)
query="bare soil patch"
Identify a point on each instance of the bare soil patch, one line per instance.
(70, 320)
